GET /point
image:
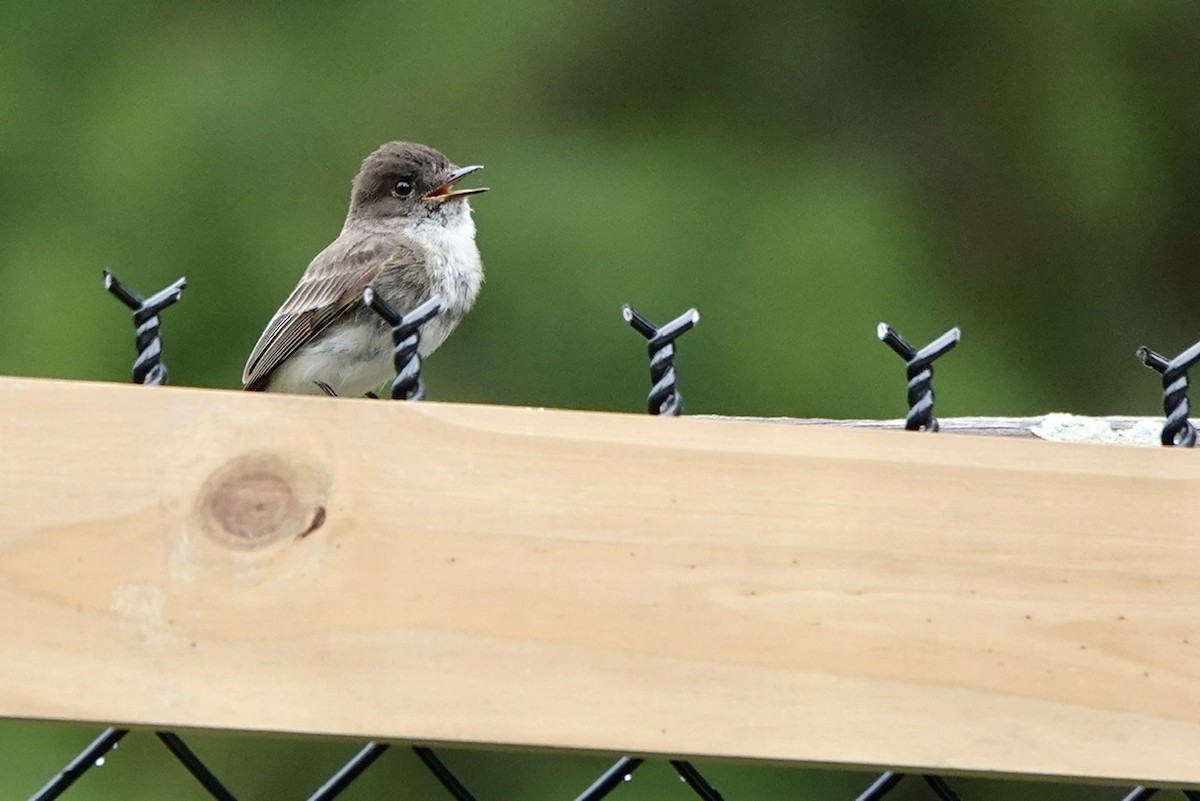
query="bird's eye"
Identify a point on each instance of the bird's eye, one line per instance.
(403, 188)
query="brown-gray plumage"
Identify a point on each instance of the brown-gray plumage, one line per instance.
(409, 234)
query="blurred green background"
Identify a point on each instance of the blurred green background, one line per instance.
(797, 171)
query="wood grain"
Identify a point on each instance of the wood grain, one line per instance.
(531, 578)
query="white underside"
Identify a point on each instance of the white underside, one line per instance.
(356, 359)
(352, 360)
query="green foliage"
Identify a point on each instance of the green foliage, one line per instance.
(1030, 172)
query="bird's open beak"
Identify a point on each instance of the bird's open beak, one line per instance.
(447, 191)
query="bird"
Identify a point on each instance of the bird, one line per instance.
(409, 235)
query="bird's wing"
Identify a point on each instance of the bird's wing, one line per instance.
(331, 286)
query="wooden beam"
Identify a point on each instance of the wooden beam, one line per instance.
(532, 578)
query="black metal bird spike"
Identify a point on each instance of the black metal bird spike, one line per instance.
(147, 365)
(919, 368)
(1178, 430)
(664, 398)
(406, 337)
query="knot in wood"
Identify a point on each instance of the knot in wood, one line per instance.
(258, 499)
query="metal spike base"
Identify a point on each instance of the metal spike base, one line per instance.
(919, 369)
(406, 337)
(664, 398)
(1178, 430)
(147, 365)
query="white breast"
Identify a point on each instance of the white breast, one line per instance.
(352, 359)
(355, 359)
(455, 271)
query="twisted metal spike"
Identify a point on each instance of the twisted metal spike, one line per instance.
(1178, 430)
(148, 368)
(611, 779)
(95, 751)
(406, 337)
(664, 398)
(919, 369)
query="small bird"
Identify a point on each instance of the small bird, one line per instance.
(409, 235)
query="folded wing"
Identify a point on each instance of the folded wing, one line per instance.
(329, 288)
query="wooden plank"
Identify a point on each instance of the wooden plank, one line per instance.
(530, 578)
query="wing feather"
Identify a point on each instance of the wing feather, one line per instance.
(331, 286)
